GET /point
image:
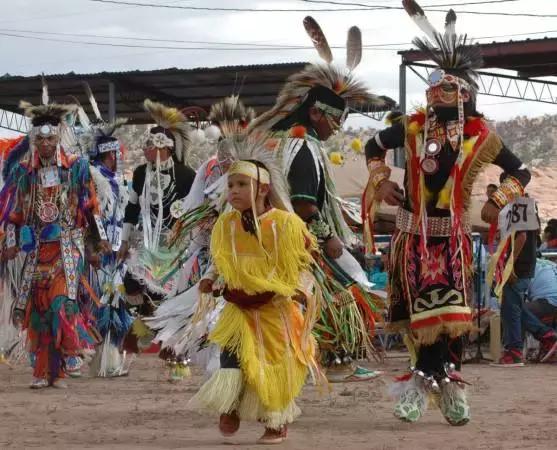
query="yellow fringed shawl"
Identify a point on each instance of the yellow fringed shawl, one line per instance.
(274, 265)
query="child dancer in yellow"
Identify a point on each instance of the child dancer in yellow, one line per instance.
(261, 252)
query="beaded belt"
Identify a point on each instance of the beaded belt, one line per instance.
(407, 222)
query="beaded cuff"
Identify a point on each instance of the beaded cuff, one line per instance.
(378, 172)
(509, 189)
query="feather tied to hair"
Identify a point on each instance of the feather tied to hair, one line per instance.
(318, 38)
(353, 48)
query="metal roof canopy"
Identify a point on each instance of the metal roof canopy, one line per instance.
(529, 59)
(122, 93)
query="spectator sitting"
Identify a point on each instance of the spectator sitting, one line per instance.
(376, 271)
(490, 190)
(550, 236)
(541, 307)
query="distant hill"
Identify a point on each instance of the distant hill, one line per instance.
(534, 140)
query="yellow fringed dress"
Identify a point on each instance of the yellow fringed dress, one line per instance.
(273, 342)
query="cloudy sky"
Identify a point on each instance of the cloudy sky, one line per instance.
(57, 36)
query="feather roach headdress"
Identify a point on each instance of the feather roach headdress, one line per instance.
(334, 87)
(450, 51)
(231, 109)
(49, 114)
(100, 138)
(172, 128)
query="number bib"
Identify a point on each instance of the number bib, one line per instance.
(519, 215)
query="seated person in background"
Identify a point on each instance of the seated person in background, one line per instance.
(490, 189)
(376, 269)
(541, 307)
(550, 236)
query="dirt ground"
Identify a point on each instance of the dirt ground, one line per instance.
(512, 409)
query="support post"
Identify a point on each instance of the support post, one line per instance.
(399, 152)
(111, 101)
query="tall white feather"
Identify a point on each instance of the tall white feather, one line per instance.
(44, 98)
(92, 101)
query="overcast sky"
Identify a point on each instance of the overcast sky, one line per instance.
(379, 67)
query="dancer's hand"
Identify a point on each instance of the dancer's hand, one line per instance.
(105, 247)
(206, 286)
(10, 253)
(124, 251)
(390, 193)
(490, 212)
(94, 260)
(18, 317)
(333, 247)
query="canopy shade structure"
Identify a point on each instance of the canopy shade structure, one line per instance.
(122, 93)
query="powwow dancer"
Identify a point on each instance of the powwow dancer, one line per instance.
(156, 185)
(48, 205)
(447, 145)
(196, 216)
(113, 321)
(311, 107)
(266, 342)
(9, 271)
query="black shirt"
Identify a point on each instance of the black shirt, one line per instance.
(305, 182)
(181, 180)
(525, 263)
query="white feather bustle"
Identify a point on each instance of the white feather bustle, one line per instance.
(212, 133)
(197, 137)
(103, 190)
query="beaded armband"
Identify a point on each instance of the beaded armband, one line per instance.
(510, 189)
(319, 228)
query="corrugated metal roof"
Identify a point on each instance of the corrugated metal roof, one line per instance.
(258, 86)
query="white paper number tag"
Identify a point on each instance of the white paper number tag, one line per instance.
(114, 236)
(49, 176)
(519, 215)
(102, 232)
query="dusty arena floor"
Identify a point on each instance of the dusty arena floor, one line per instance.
(512, 409)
